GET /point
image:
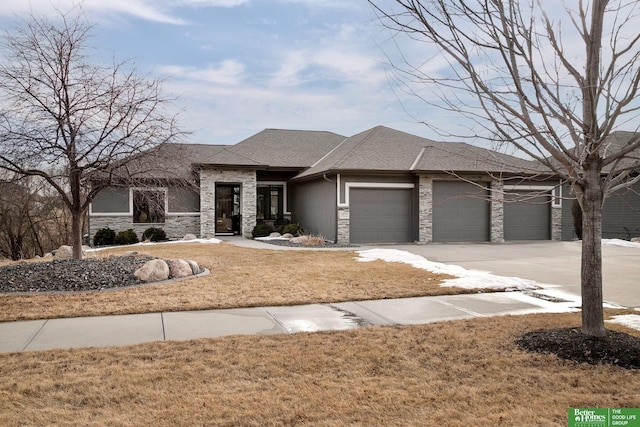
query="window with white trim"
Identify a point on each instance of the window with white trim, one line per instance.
(149, 206)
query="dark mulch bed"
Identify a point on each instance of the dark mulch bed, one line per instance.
(618, 348)
(90, 274)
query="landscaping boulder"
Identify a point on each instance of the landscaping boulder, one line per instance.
(66, 252)
(189, 237)
(195, 268)
(287, 236)
(153, 271)
(275, 234)
(635, 239)
(180, 268)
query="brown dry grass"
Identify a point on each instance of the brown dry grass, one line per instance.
(240, 277)
(461, 373)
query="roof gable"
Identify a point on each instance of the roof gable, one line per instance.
(279, 148)
(388, 150)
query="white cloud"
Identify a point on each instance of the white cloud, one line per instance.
(209, 3)
(138, 8)
(349, 67)
(150, 10)
(228, 73)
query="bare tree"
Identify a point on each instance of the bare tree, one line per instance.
(33, 220)
(68, 120)
(556, 80)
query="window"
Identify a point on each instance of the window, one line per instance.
(148, 206)
(270, 202)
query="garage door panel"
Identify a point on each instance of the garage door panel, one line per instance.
(621, 214)
(460, 212)
(527, 216)
(380, 215)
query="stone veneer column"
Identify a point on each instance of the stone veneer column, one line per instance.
(425, 209)
(207, 203)
(249, 201)
(556, 222)
(497, 211)
(343, 225)
(208, 180)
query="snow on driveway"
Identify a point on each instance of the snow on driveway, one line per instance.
(467, 279)
(476, 279)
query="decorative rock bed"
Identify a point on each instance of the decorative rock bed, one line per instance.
(89, 274)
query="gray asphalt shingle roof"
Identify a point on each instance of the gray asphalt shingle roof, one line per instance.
(314, 153)
(279, 148)
(388, 150)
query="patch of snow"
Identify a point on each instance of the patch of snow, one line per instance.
(467, 279)
(629, 320)
(267, 239)
(620, 242)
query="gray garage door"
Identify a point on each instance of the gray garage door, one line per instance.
(527, 216)
(380, 215)
(621, 214)
(460, 212)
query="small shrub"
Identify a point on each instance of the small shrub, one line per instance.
(262, 229)
(154, 234)
(104, 237)
(128, 237)
(314, 241)
(294, 229)
(280, 223)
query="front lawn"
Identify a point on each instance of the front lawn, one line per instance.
(459, 373)
(240, 277)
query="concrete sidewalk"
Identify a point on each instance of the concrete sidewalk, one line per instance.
(555, 263)
(121, 330)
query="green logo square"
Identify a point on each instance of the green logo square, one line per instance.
(603, 417)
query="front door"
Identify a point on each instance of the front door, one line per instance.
(228, 209)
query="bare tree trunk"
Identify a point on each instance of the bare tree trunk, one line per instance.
(76, 234)
(76, 215)
(591, 273)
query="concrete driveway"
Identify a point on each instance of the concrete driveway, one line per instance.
(556, 263)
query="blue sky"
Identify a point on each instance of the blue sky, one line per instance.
(239, 66)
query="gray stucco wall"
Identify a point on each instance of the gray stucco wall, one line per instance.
(313, 206)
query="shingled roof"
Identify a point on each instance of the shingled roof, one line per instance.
(314, 153)
(383, 149)
(279, 148)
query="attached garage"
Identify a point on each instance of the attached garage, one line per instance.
(461, 211)
(527, 216)
(621, 214)
(380, 215)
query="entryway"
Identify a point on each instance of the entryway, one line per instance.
(228, 209)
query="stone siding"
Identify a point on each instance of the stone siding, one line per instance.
(248, 196)
(497, 212)
(175, 225)
(425, 209)
(343, 225)
(556, 222)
